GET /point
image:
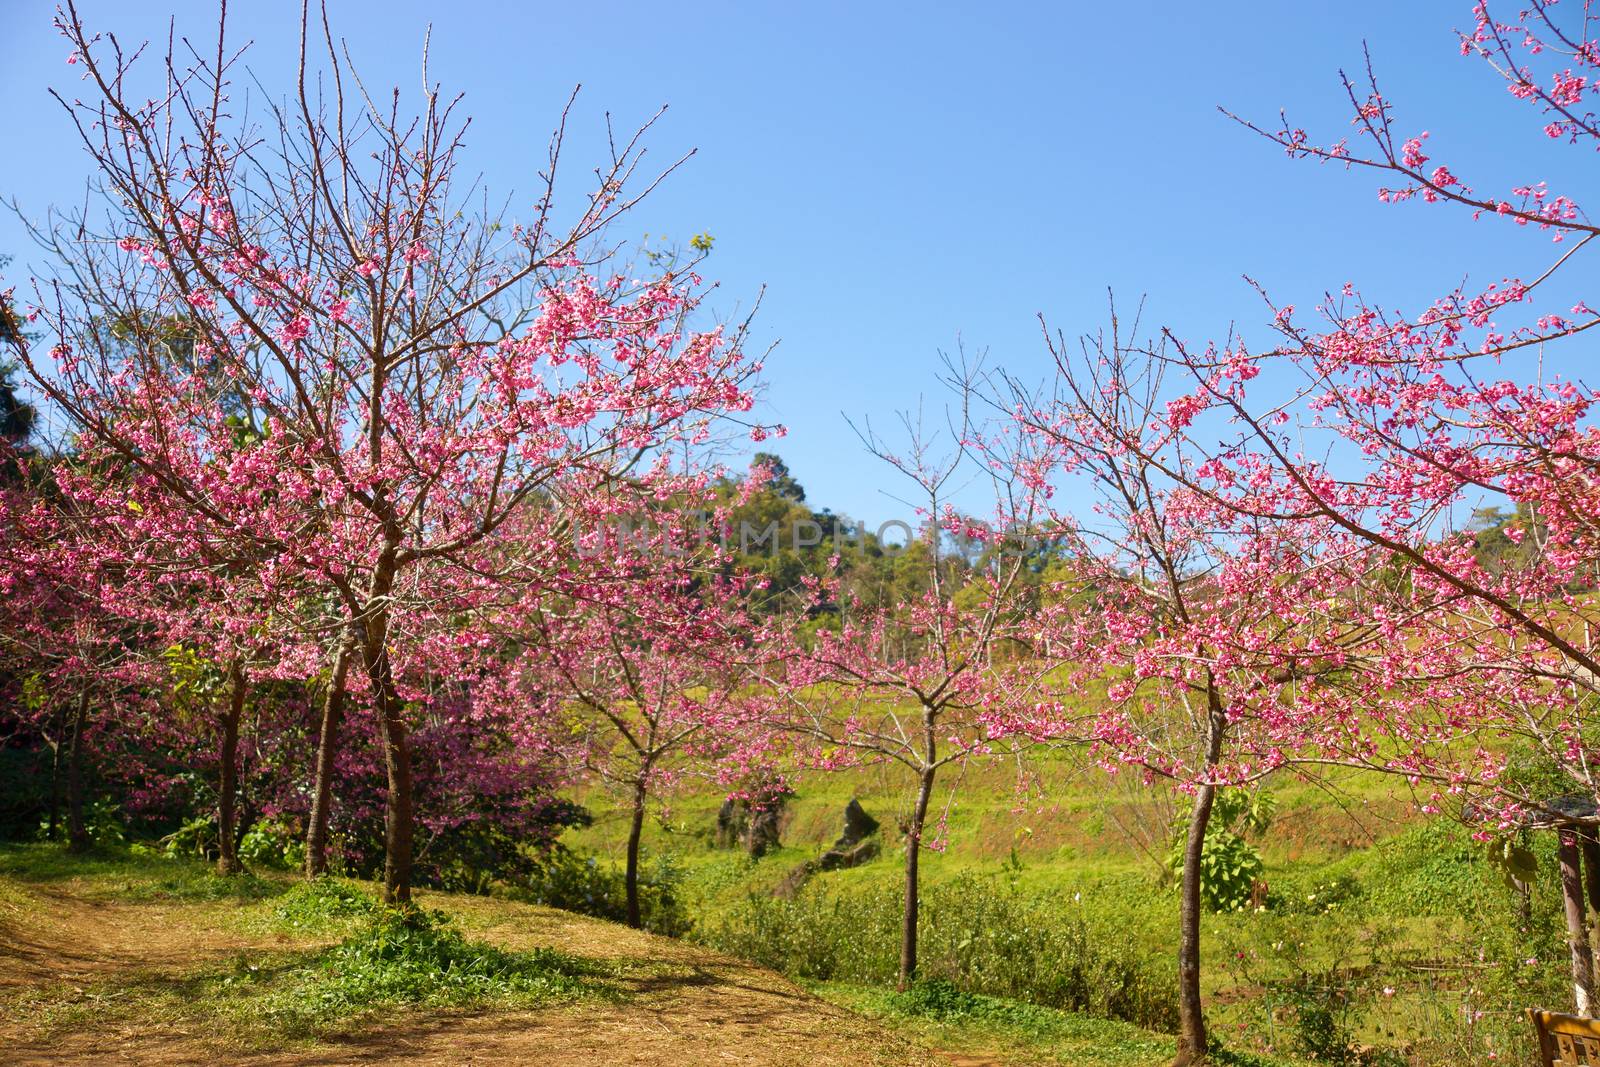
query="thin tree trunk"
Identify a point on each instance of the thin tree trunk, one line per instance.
(228, 789)
(398, 814)
(1193, 1043)
(1577, 930)
(913, 902)
(54, 824)
(1589, 849)
(77, 833)
(635, 831)
(327, 749)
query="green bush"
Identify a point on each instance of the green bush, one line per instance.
(404, 957)
(1513, 954)
(1319, 975)
(272, 844)
(982, 935)
(573, 882)
(320, 904)
(1230, 867)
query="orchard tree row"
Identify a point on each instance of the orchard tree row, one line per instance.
(365, 506)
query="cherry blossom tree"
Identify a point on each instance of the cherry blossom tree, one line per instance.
(418, 369)
(1454, 407)
(1222, 641)
(939, 678)
(652, 685)
(1355, 482)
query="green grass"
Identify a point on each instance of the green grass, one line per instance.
(133, 873)
(1348, 839)
(323, 906)
(412, 959)
(1026, 1033)
(1352, 842)
(379, 958)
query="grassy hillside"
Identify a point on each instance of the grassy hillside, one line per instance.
(153, 960)
(1048, 934)
(1385, 934)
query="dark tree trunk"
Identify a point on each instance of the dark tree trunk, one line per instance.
(913, 902)
(1589, 848)
(1572, 889)
(1192, 1040)
(399, 812)
(228, 787)
(327, 749)
(77, 832)
(635, 831)
(60, 717)
(1193, 1043)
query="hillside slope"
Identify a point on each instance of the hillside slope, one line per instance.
(144, 961)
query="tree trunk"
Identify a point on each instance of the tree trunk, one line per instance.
(1192, 1041)
(1589, 849)
(1577, 930)
(327, 749)
(77, 833)
(1193, 1044)
(398, 813)
(54, 824)
(398, 809)
(635, 831)
(913, 902)
(228, 788)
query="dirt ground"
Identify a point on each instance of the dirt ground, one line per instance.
(688, 1008)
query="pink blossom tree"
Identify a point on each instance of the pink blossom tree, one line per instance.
(1220, 640)
(934, 680)
(1453, 407)
(649, 684)
(417, 371)
(1394, 425)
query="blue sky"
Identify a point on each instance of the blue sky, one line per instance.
(904, 177)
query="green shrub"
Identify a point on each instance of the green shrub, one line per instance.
(320, 904)
(405, 957)
(1230, 867)
(573, 882)
(982, 935)
(1319, 977)
(272, 844)
(1512, 953)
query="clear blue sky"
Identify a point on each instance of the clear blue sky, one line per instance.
(903, 176)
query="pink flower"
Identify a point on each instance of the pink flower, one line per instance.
(295, 330)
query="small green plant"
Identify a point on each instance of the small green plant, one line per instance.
(272, 844)
(1230, 867)
(320, 904)
(404, 957)
(195, 838)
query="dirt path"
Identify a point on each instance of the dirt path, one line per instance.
(686, 1007)
(69, 937)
